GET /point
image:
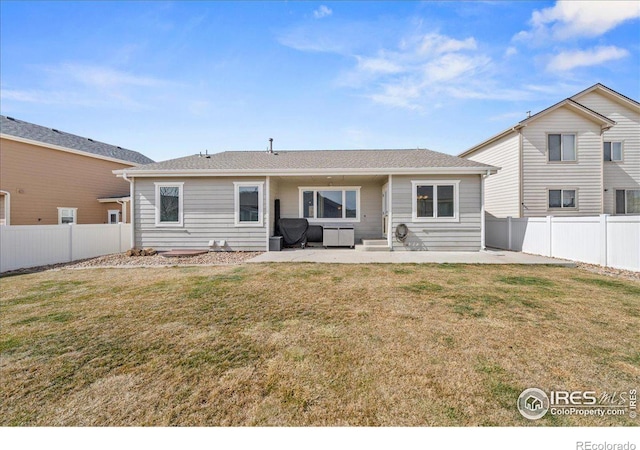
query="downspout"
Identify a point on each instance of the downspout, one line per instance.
(131, 193)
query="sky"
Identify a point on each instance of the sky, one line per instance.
(169, 79)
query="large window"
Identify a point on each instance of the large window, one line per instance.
(169, 204)
(67, 215)
(561, 147)
(627, 201)
(435, 200)
(562, 198)
(612, 151)
(248, 203)
(330, 203)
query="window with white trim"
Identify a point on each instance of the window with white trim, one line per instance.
(435, 200)
(67, 215)
(562, 198)
(627, 201)
(561, 147)
(612, 151)
(248, 203)
(169, 204)
(329, 203)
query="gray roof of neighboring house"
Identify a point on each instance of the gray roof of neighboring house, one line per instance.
(26, 130)
(304, 160)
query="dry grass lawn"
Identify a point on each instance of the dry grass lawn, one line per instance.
(310, 344)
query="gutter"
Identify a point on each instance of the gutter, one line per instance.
(305, 172)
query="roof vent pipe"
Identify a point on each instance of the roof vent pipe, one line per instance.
(270, 145)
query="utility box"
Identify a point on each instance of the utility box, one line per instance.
(275, 243)
(338, 235)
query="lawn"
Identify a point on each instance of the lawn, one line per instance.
(311, 344)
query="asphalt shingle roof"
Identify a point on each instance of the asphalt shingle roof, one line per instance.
(26, 130)
(312, 159)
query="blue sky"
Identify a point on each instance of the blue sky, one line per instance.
(174, 78)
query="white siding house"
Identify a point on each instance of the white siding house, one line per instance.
(228, 198)
(579, 157)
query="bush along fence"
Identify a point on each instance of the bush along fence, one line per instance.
(24, 246)
(612, 241)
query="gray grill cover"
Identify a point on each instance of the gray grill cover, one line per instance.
(293, 231)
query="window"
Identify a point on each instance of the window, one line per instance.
(435, 201)
(612, 151)
(330, 203)
(248, 203)
(562, 198)
(67, 215)
(627, 201)
(113, 216)
(561, 147)
(169, 204)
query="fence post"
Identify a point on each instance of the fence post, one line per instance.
(70, 242)
(604, 219)
(119, 237)
(509, 246)
(550, 233)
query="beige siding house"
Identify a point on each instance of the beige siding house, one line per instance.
(579, 157)
(401, 199)
(50, 177)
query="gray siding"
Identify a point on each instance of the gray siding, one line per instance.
(370, 225)
(584, 175)
(502, 190)
(208, 214)
(438, 236)
(624, 174)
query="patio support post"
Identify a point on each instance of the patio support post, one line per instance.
(390, 213)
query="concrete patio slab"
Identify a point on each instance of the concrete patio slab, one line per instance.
(348, 256)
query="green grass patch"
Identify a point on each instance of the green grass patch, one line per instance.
(525, 281)
(421, 287)
(616, 285)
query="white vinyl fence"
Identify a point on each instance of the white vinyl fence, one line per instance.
(612, 241)
(23, 246)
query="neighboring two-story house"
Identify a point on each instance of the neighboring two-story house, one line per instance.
(578, 157)
(51, 177)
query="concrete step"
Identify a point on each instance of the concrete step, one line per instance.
(373, 245)
(374, 242)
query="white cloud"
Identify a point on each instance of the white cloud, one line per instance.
(569, 19)
(420, 66)
(453, 66)
(568, 60)
(510, 51)
(91, 86)
(105, 77)
(379, 65)
(322, 12)
(438, 44)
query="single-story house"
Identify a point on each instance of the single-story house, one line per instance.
(407, 199)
